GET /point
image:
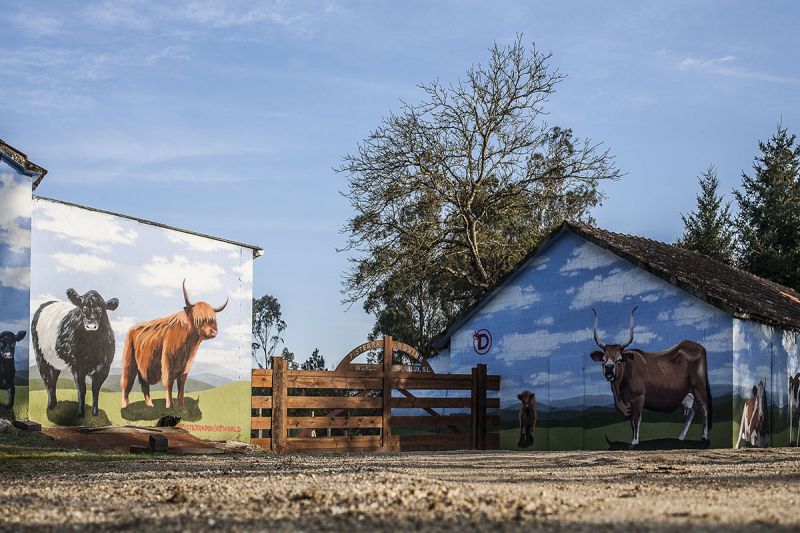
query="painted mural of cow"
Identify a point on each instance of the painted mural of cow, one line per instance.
(8, 346)
(164, 349)
(794, 403)
(527, 418)
(75, 335)
(753, 427)
(658, 381)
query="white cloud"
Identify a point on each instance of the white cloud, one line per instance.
(121, 324)
(86, 229)
(617, 287)
(691, 312)
(721, 341)
(587, 256)
(17, 325)
(37, 301)
(244, 271)
(240, 332)
(509, 298)
(80, 262)
(726, 66)
(165, 275)
(539, 343)
(562, 379)
(545, 321)
(200, 244)
(15, 208)
(241, 293)
(15, 277)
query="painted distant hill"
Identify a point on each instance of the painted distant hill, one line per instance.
(111, 384)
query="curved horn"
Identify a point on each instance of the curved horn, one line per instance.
(221, 307)
(186, 295)
(594, 331)
(630, 340)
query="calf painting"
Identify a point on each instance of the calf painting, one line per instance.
(8, 370)
(753, 427)
(527, 418)
(75, 335)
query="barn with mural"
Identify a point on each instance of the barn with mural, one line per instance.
(625, 341)
(109, 319)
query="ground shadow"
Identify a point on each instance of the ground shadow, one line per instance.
(65, 413)
(136, 411)
(660, 444)
(6, 412)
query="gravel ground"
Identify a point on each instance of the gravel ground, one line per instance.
(746, 489)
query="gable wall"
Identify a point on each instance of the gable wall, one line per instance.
(15, 257)
(541, 328)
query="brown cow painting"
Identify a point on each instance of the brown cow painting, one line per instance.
(164, 349)
(657, 381)
(527, 418)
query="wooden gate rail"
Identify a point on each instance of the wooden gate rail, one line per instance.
(374, 385)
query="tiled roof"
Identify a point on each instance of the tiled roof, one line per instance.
(734, 291)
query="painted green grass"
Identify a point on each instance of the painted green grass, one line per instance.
(221, 413)
(20, 409)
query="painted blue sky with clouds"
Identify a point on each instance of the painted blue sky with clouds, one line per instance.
(541, 324)
(15, 254)
(226, 117)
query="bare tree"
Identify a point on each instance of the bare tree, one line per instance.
(459, 187)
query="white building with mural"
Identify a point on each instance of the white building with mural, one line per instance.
(103, 296)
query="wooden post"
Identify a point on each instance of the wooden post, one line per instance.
(474, 410)
(387, 393)
(279, 405)
(479, 406)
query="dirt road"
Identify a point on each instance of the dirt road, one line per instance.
(490, 491)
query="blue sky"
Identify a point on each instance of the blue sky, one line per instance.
(227, 117)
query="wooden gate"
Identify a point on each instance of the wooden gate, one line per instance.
(351, 408)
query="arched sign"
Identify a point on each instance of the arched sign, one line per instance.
(482, 341)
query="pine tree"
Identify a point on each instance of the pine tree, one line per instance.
(315, 362)
(709, 230)
(289, 357)
(769, 212)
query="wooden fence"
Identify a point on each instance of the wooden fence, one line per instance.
(304, 410)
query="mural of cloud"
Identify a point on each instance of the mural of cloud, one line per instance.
(510, 298)
(587, 257)
(721, 341)
(165, 275)
(37, 301)
(121, 324)
(564, 378)
(616, 287)
(98, 233)
(15, 210)
(690, 312)
(196, 243)
(15, 277)
(80, 262)
(539, 343)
